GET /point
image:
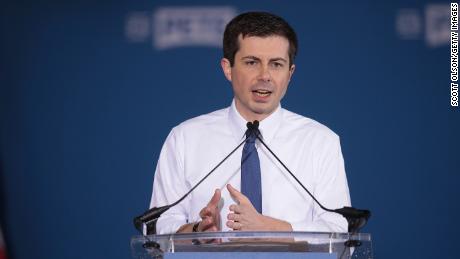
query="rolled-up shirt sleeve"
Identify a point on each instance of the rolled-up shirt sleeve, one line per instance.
(169, 185)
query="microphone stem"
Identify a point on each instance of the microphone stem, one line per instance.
(204, 178)
(289, 171)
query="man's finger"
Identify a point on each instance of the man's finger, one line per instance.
(233, 216)
(234, 225)
(212, 229)
(235, 208)
(205, 224)
(205, 212)
(238, 196)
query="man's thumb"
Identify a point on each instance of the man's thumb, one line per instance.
(236, 195)
(215, 198)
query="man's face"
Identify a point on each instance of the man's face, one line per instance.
(260, 75)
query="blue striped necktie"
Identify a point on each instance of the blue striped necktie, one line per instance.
(250, 172)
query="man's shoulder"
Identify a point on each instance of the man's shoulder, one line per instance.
(306, 126)
(204, 121)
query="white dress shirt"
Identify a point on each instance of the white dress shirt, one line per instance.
(310, 150)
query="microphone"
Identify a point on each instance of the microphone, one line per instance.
(146, 223)
(356, 218)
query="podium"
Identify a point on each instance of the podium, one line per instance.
(253, 245)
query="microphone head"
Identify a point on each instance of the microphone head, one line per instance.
(356, 218)
(255, 125)
(249, 125)
(152, 216)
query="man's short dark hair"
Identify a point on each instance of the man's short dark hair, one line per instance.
(260, 24)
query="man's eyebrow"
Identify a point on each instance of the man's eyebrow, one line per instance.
(250, 57)
(271, 60)
(278, 59)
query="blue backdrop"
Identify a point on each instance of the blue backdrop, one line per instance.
(87, 101)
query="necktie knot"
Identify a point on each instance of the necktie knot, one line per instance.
(251, 136)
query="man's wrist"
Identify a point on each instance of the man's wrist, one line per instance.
(275, 224)
(195, 227)
(186, 228)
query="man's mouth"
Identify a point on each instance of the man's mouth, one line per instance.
(262, 93)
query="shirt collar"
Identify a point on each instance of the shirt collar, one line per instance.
(267, 127)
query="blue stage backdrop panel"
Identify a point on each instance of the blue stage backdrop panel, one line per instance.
(90, 90)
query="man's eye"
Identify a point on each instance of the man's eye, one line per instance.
(250, 62)
(278, 65)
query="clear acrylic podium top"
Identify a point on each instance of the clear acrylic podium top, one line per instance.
(340, 245)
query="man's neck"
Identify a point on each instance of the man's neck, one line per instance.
(251, 116)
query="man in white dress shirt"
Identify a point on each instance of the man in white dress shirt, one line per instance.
(259, 51)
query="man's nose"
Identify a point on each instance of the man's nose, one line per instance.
(264, 74)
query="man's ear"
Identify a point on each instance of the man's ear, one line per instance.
(226, 68)
(291, 71)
